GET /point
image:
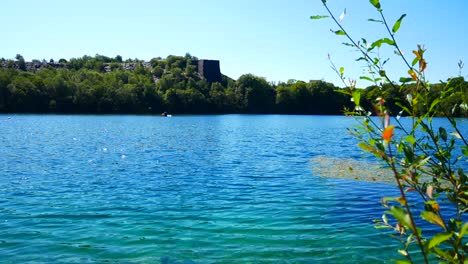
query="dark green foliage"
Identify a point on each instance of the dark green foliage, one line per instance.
(102, 84)
(257, 95)
(21, 62)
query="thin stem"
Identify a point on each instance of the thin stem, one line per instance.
(453, 122)
(398, 48)
(337, 72)
(394, 41)
(364, 53)
(403, 195)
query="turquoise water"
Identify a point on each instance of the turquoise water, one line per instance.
(187, 189)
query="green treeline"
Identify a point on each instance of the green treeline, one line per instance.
(105, 85)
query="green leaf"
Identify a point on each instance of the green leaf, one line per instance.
(385, 200)
(445, 254)
(375, 20)
(439, 238)
(402, 262)
(371, 149)
(443, 133)
(402, 216)
(463, 230)
(357, 97)
(339, 32)
(400, 147)
(434, 103)
(343, 92)
(398, 23)
(465, 150)
(410, 139)
(403, 107)
(341, 72)
(400, 200)
(433, 218)
(424, 161)
(378, 43)
(318, 17)
(376, 61)
(415, 61)
(409, 239)
(405, 80)
(408, 151)
(375, 3)
(388, 41)
(366, 78)
(385, 61)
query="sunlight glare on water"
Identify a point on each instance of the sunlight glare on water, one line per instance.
(189, 189)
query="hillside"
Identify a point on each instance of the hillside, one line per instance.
(177, 84)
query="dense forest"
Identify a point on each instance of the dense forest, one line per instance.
(105, 85)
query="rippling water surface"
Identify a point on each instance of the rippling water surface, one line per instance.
(187, 189)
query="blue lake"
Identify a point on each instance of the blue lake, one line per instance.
(187, 189)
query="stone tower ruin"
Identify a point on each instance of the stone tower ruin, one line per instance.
(210, 70)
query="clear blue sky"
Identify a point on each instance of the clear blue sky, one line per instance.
(275, 39)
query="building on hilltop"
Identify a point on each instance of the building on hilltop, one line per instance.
(210, 70)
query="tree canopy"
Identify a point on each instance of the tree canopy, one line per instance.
(103, 84)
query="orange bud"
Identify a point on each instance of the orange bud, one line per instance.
(422, 65)
(436, 207)
(388, 133)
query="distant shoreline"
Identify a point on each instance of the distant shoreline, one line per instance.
(179, 85)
